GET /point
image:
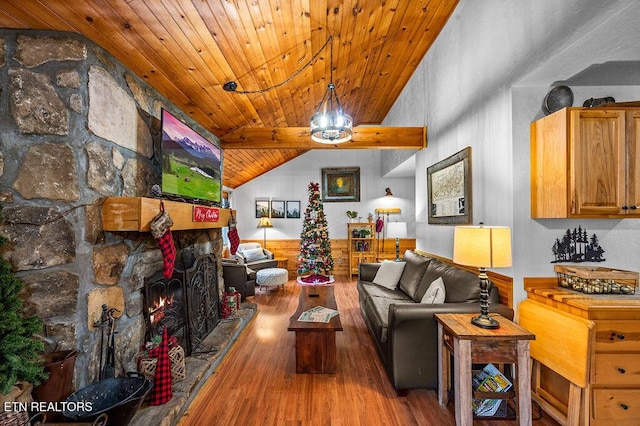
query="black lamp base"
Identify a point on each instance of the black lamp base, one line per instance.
(397, 259)
(485, 321)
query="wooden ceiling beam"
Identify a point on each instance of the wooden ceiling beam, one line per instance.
(298, 138)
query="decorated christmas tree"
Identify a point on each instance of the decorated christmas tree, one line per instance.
(314, 261)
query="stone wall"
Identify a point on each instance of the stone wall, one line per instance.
(76, 126)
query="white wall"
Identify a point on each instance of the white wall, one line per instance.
(483, 82)
(290, 180)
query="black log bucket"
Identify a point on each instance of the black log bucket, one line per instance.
(118, 397)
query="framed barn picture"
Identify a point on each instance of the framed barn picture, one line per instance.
(341, 184)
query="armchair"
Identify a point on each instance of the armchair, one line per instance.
(255, 257)
(239, 277)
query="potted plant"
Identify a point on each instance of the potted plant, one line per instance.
(370, 217)
(352, 214)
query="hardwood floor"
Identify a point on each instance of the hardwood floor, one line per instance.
(257, 385)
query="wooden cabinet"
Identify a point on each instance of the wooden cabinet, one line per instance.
(586, 354)
(362, 245)
(585, 162)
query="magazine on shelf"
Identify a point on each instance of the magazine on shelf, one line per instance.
(489, 379)
(318, 314)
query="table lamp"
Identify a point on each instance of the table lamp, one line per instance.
(265, 223)
(397, 230)
(483, 247)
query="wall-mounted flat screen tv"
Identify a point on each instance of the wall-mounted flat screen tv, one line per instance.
(191, 165)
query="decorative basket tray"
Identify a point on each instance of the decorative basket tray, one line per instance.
(147, 366)
(597, 280)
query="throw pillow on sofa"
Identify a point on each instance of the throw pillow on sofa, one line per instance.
(254, 254)
(413, 273)
(389, 274)
(436, 292)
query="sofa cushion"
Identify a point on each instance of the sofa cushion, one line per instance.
(370, 289)
(377, 310)
(461, 285)
(435, 293)
(389, 274)
(252, 255)
(413, 272)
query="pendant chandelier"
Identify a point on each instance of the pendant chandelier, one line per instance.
(330, 125)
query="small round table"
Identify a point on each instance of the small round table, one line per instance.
(272, 277)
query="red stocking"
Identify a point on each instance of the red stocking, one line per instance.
(168, 249)
(162, 391)
(234, 240)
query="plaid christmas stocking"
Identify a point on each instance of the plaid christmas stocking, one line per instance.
(161, 392)
(161, 232)
(234, 238)
(168, 249)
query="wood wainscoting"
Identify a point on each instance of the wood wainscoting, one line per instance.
(290, 249)
(503, 282)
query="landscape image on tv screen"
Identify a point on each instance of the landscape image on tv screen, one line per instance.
(191, 165)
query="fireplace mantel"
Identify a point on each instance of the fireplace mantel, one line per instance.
(136, 214)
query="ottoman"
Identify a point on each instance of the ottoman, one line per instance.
(272, 277)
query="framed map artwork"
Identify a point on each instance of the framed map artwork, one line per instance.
(449, 190)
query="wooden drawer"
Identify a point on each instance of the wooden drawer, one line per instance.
(614, 336)
(617, 369)
(616, 404)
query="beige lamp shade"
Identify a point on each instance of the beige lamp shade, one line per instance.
(397, 230)
(265, 222)
(482, 246)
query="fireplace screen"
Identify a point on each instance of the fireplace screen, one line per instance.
(187, 304)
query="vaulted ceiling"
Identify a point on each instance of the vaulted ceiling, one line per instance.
(188, 49)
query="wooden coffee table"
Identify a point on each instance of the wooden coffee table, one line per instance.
(315, 341)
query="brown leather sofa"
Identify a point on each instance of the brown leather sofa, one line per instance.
(403, 329)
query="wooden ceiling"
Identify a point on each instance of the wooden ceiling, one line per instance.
(187, 50)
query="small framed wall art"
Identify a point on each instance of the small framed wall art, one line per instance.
(262, 208)
(277, 209)
(293, 209)
(341, 184)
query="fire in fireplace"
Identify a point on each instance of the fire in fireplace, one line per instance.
(187, 304)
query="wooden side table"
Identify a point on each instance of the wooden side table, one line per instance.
(469, 344)
(282, 262)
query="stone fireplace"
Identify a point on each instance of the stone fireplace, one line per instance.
(80, 127)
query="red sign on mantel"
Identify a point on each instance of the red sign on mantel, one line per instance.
(205, 214)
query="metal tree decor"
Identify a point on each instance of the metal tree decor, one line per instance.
(315, 261)
(576, 246)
